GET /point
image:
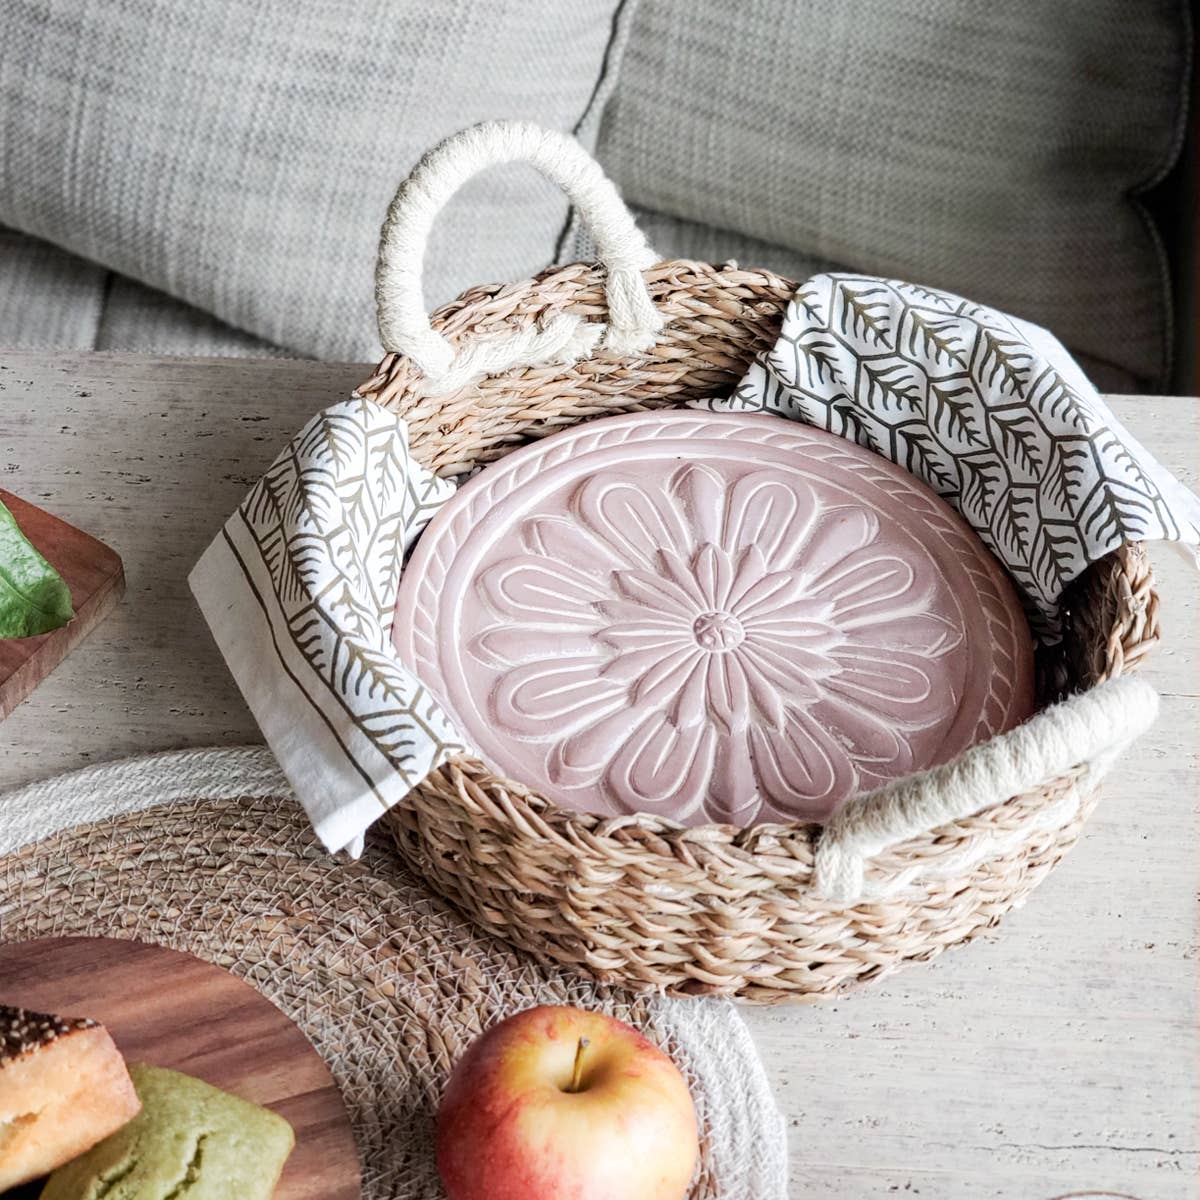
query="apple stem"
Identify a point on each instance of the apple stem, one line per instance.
(577, 1073)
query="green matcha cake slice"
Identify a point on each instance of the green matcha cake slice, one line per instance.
(190, 1140)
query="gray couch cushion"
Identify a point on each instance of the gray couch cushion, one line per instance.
(992, 149)
(142, 320)
(48, 298)
(675, 237)
(241, 156)
(52, 300)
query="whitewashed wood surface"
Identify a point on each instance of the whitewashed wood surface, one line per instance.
(1058, 1054)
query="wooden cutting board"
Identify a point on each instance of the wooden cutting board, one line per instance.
(93, 573)
(174, 1010)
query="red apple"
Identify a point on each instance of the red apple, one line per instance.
(561, 1104)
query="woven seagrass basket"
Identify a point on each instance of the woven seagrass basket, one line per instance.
(762, 913)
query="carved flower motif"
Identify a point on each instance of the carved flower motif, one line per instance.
(696, 646)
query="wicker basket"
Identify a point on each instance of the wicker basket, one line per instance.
(639, 900)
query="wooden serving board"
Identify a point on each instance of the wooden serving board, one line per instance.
(89, 568)
(174, 1010)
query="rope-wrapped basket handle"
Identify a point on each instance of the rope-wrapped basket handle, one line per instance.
(1084, 734)
(404, 327)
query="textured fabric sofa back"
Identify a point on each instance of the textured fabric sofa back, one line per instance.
(994, 149)
(241, 156)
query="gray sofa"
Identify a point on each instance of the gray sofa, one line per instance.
(210, 179)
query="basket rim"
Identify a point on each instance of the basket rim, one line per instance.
(518, 848)
(453, 318)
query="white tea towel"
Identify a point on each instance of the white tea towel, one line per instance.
(298, 589)
(989, 410)
(300, 585)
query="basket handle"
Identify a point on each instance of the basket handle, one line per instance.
(1090, 729)
(633, 321)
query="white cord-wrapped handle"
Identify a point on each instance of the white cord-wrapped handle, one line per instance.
(1089, 729)
(633, 321)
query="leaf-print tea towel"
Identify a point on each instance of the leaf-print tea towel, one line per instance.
(298, 589)
(300, 585)
(989, 410)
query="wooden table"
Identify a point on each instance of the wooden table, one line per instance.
(1057, 1054)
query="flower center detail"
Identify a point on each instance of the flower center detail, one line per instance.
(717, 631)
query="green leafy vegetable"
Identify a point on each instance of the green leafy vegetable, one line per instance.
(33, 597)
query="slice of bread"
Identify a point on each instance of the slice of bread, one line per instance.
(63, 1088)
(190, 1138)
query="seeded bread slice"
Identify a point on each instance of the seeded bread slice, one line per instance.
(63, 1088)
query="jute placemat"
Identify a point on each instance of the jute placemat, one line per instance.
(207, 851)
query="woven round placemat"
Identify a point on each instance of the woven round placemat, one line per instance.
(206, 851)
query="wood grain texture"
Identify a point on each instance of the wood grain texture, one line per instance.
(170, 1009)
(90, 570)
(1058, 1053)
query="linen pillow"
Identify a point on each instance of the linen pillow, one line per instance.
(995, 150)
(241, 156)
(47, 297)
(51, 300)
